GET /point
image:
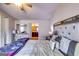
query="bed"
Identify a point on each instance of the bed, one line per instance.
(36, 48)
(13, 48)
(27, 49)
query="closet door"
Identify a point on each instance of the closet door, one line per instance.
(7, 31)
(6, 28)
(2, 31)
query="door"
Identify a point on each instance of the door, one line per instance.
(35, 33)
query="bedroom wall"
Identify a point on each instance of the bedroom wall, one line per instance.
(63, 12)
(44, 26)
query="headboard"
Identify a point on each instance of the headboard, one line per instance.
(68, 28)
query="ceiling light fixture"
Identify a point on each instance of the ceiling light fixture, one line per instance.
(18, 2)
(21, 4)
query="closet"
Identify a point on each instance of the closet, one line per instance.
(7, 25)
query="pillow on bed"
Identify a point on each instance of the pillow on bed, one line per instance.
(76, 53)
(52, 44)
(58, 39)
(64, 44)
(54, 37)
(57, 45)
(71, 49)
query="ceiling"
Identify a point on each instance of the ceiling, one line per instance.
(39, 11)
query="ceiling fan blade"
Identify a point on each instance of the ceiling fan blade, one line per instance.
(23, 6)
(29, 5)
(7, 3)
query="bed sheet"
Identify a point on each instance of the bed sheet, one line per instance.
(27, 49)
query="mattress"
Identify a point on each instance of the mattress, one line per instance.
(36, 48)
(11, 49)
(27, 49)
(14, 47)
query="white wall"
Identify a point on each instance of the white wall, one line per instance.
(44, 26)
(65, 11)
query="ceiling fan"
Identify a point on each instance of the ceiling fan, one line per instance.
(23, 5)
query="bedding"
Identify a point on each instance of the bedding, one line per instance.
(42, 48)
(57, 42)
(54, 37)
(36, 48)
(64, 44)
(57, 45)
(10, 50)
(27, 49)
(71, 48)
(20, 35)
(58, 39)
(76, 53)
(67, 47)
(52, 44)
(13, 48)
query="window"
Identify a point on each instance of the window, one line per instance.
(21, 28)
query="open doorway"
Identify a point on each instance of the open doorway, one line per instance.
(35, 33)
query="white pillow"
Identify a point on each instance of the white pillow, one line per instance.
(52, 44)
(57, 45)
(77, 50)
(64, 44)
(54, 37)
